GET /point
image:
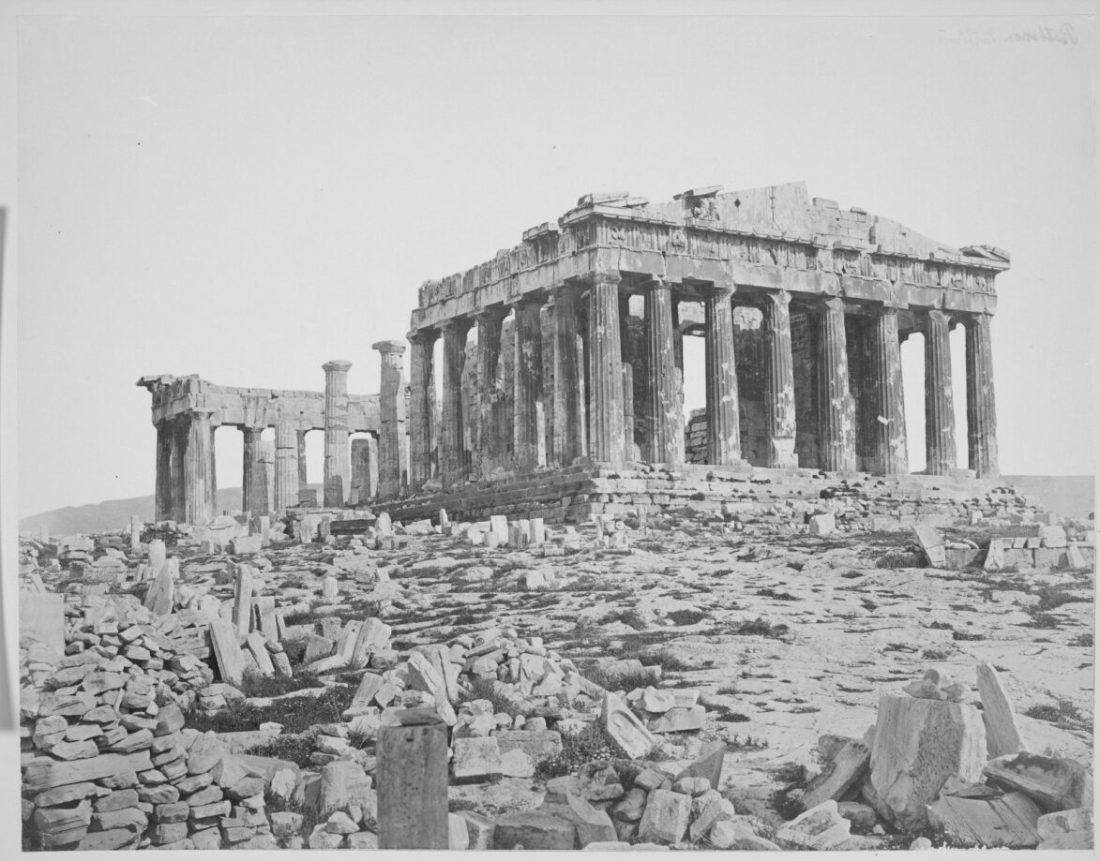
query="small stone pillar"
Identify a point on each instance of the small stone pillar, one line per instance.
(885, 353)
(779, 411)
(337, 457)
(836, 408)
(981, 407)
(452, 452)
(412, 786)
(569, 437)
(939, 405)
(286, 465)
(490, 447)
(723, 414)
(392, 447)
(605, 370)
(421, 406)
(198, 487)
(527, 379)
(364, 470)
(665, 441)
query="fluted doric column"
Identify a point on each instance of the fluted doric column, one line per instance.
(723, 420)
(391, 435)
(570, 426)
(452, 450)
(981, 408)
(527, 384)
(303, 472)
(779, 410)
(337, 457)
(490, 448)
(286, 465)
(264, 496)
(181, 432)
(665, 441)
(364, 470)
(198, 488)
(939, 405)
(890, 457)
(421, 406)
(836, 408)
(605, 370)
(166, 444)
(251, 468)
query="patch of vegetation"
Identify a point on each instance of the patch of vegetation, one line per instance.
(296, 714)
(725, 713)
(935, 654)
(617, 681)
(1064, 715)
(729, 690)
(255, 685)
(686, 617)
(308, 812)
(484, 689)
(298, 617)
(591, 743)
(769, 592)
(746, 743)
(294, 748)
(1045, 621)
(760, 627)
(966, 636)
(1084, 640)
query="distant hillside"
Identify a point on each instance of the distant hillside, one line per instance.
(1067, 495)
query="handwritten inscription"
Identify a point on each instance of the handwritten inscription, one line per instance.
(1062, 34)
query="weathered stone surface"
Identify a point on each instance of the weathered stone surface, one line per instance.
(1008, 821)
(1001, 733)
(622, 725)
(1054, 783)
(666, 817)
(918, 744)
(533, 831)
(707, 764)
(475, 758)
(844, 770)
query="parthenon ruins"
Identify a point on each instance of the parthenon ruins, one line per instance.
(579, 360)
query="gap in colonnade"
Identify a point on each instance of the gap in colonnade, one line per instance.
(957, 339)
(228, 464)
(912, 375)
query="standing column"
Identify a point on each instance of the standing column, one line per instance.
(723, 419)
(264, 495)
(337, 458)
(779, 412)
(836, 409)
(180, 431)
(165, 446)
(361, 490)
(303, 473)
(251, 463)
(527, 378)
(286, 466)
(490, 447)
(939, 406)
(198, 506)
(981, 408)
(885, 353)
(421, 406)
(665, 443)
(212, 480)
(452, 455)
(605, 370)
(570, 438)
(391, 437)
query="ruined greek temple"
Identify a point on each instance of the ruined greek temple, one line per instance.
(565, 355)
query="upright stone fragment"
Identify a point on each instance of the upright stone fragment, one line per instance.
(286, 465)
(918, 744)
(939, 407)
(779, 411)
(1001, 733)
(392, 448)
(836, 408)
(337, 456)
(664, 415)
(981, 409)
(605, 370)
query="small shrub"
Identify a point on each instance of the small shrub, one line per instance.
(769, 592)
(294, 748)
(485, 689)
(255, 685)
(966, 636)
(591, 743)
(935, 654)
(762, 628)
(296, 714)
(1084, 640)
(686, 617)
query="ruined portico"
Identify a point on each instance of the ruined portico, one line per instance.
(599, 377)
(186, 412)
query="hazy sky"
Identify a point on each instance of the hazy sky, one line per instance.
(247, 197)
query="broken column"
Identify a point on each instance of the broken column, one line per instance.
(527, 380)
(391, 436)
(364, 470)
(664, 416)
(779, 412)
(570, 430)
(723, 421)
(286, 465)
(836, 409)
(198, 478)
(605, 370)
(939, 407)
(981, 408)
(490, 448)
(452, 448)
(885, 353)
(337, 459)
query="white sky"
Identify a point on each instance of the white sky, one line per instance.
(247, 197)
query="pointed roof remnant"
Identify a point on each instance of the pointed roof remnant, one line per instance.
(989, 252)
(702, 191)
(596, 198)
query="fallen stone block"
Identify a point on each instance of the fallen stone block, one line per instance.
(707, 764)
(625, 728)
(475, 758)
(846, 768)
(932, 545)
(533, 831)
(821, 827)
(1001, 733)
(1054, 783)
(679, 719)
(666, 817)
(1010, 821)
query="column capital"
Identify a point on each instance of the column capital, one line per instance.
(833, 303)
(456, 324)
(777, 297)
(336, 365)
(389, 347)
(498, 312)
(938, 317)
(723, 289)
(602, 276)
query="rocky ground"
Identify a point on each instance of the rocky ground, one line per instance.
(784, 640)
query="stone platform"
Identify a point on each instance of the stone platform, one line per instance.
(575, 493)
